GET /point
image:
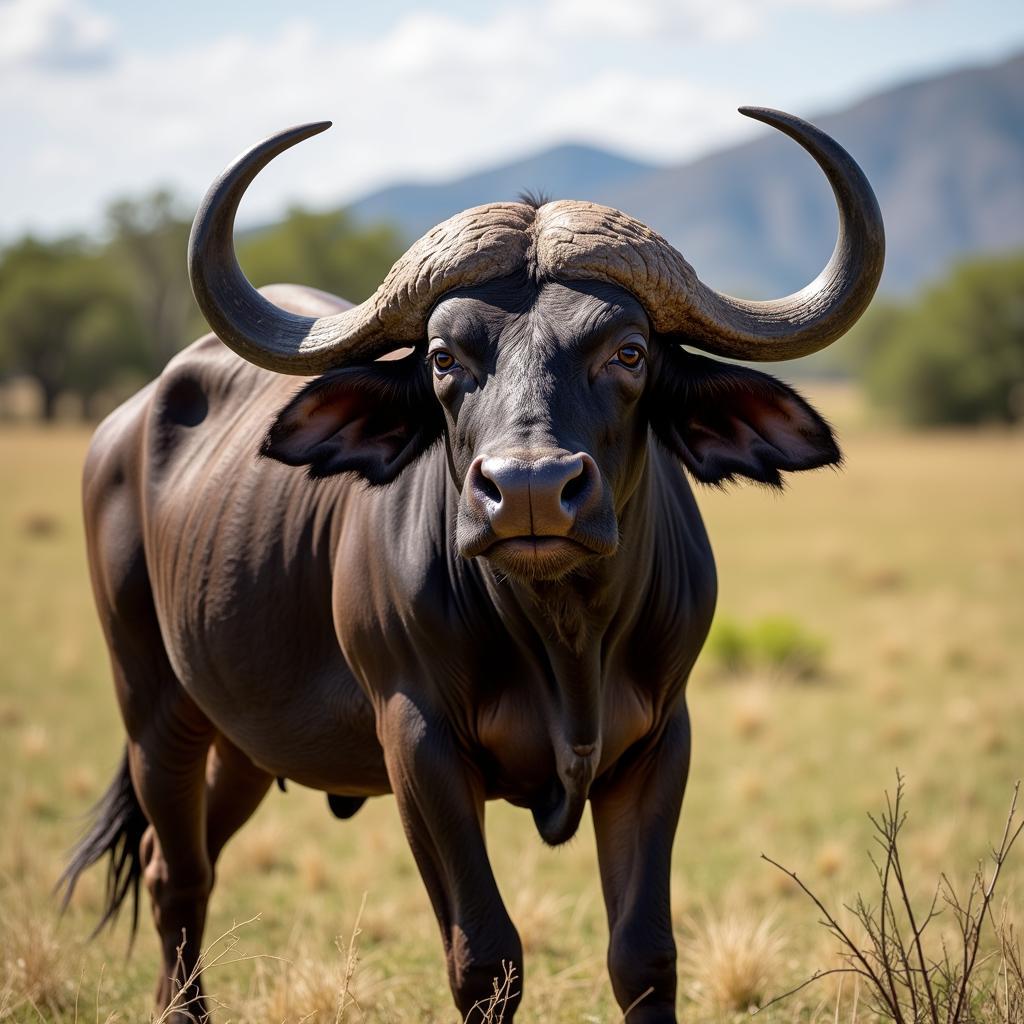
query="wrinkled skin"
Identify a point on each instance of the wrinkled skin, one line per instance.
(510, 611)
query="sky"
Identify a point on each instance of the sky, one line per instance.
(106, 98)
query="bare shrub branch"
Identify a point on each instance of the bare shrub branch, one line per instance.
(977, 979)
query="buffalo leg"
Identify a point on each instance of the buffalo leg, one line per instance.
(235, 787)
(168, 737)
(441, 805)
(168, 765)
(635, 817)
(195, 806)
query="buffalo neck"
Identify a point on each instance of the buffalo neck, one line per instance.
(570, 624)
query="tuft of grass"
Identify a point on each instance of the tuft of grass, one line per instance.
(781, 643)
(35, 741)
(34, 975)
(728, 646)
(313, 869)
(775, 643)
(751, 710)
(831, 858)
(263, 848)
(81, 783)
(731, 958)
(302, 989)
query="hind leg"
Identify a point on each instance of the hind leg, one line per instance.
(195, 805)
(168, 765)
(196, 789)
(169, 740)
(235, 787)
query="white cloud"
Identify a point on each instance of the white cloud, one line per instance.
(433, 95)
(53, 34)
(857, 6)
(663, 117)
(702, 19)
(648, 19)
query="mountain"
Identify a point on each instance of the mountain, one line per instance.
(944, 154)
(567, 171)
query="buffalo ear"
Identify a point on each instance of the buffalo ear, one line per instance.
(725, 421)
(370, 420)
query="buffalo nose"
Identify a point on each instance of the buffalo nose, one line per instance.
(542, 496)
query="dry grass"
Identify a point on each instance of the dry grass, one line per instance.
(903, 564)
(33, 969)
(972, 972)
(262, 848)
(313, 869)
(751, 709)
(731, 960)
(303, 989)
(35, 741)
(831, 858)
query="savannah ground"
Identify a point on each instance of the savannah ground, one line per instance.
(908, 565)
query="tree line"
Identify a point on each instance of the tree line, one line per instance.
(953, 355)
(97, 318)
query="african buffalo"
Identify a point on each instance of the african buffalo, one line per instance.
(490, 581)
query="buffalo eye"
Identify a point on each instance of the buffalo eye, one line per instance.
(443, 361)
(630, 356)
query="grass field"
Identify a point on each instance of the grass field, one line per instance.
(907, 565)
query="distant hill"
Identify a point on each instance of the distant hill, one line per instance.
(945, 155)
(568, 171)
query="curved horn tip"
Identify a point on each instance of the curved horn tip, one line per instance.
(301, 132)
(768, 115)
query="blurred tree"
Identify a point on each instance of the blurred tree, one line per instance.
(65, 319)
(322, 250)
(149, 238)
(81, 317)
(862, 346)
(953, 356)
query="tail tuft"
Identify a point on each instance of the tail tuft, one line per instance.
(117, 829)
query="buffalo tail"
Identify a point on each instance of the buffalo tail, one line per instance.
(118, 824)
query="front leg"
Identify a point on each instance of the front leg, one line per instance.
(441, 802)
(635, 818)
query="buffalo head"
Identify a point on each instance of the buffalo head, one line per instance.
(547, 344)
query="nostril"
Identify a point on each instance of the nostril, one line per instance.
(580, 483)
(483, 476)
(574, 488)
(488, 488)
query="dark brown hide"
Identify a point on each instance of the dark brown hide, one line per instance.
(476, 572)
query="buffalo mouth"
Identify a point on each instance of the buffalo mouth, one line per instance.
(537, 557)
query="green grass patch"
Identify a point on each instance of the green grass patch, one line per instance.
(776, 644)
